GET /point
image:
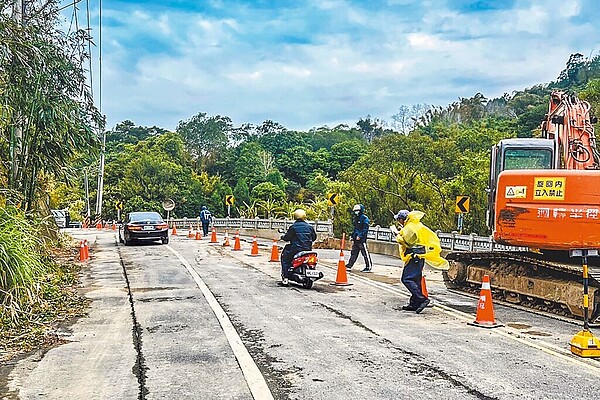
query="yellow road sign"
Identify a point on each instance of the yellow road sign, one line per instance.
(229, 199)
(333, 199)
(462, 204)
(119, 205)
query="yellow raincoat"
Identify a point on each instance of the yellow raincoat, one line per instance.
(414, 233)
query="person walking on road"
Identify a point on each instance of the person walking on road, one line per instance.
(206, 219)
(300, 236)
(418, 244)
(359, 238)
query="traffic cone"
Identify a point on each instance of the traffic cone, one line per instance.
(236, 244)
(174, 232)
(341, 278)
(82, 252)
(114, 226)
(226, 243)
(274, 252)
(87, 249)
(485, 308)
(213, 236)
(198, 235)
(254, 250)
(190, 233)
(106, 226)
(98, 225)
(424, 287)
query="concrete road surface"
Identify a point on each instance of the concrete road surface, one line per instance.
(193, 320)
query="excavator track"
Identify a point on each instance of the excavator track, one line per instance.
(527, 279)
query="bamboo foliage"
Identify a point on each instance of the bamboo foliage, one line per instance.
(48, 114)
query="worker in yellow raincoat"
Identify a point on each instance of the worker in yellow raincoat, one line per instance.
(418, 245)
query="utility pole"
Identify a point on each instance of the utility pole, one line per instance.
(101, 167)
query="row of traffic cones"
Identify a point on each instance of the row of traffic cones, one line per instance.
(485, 308)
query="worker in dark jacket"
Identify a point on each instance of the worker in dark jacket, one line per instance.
(300, 236)
(359, 238)
(206, 219)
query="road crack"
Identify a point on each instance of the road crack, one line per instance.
(139, 368)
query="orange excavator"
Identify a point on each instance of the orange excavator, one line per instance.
(544, 195)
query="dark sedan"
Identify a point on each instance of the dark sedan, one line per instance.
(143, 226)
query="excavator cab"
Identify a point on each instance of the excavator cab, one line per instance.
(517, 154)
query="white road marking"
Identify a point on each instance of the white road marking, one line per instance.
(254, 378)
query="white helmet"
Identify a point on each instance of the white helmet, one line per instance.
(356, 207)
(300, 214)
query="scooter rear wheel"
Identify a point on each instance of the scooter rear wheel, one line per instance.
(307, 283)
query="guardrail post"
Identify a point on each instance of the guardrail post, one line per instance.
(256, 223)
(453, 242)
(472, 241)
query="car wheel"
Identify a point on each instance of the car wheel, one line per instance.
(127, 241)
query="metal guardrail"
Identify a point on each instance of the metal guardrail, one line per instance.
(451, 241)
(254, 223)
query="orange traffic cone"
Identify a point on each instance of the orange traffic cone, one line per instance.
(82, 252)
(198, 235)
(114, 226)
(341, 278)
(87, 249)
(190, 233)
(213, 236)
(254, 250)
(485, 308)
(424, 287)
(226, 243)
(274, 252)
(99, 225)
(236, 244)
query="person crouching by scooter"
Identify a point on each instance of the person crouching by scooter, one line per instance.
(300, 236)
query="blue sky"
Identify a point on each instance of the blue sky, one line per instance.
(308, 63)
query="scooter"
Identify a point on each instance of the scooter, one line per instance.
(304, 269)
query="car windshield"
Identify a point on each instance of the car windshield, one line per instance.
(145, 217)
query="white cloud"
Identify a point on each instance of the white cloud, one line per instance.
(336, 63)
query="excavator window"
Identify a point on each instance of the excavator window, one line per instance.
(521, 158)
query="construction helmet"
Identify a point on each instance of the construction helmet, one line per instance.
(300, 214)
(356, 207)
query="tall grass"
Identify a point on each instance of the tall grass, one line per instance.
(22, 265)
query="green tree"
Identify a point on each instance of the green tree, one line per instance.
(241, 191)
(267, 191)
(205, 137)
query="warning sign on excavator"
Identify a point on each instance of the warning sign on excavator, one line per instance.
(515, 192)
(548, 188)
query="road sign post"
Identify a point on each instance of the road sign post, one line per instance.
(119, 207)
(333, 200)
(461, 207)
(229, 201)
